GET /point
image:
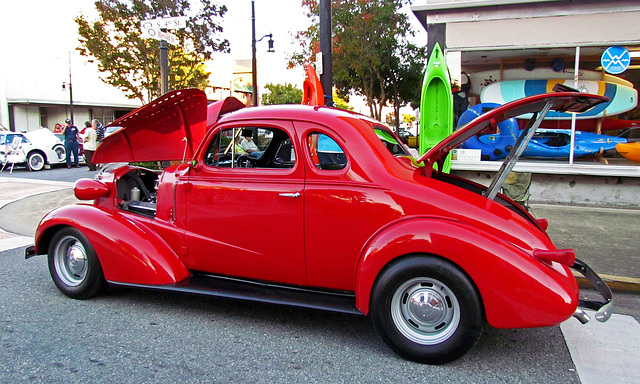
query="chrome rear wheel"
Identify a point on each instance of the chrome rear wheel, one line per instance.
(425, 311)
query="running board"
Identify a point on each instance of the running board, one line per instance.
(232, 288)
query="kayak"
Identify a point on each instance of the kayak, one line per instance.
(629, 150)
(436, 105)
(546, 143)
(312, 93)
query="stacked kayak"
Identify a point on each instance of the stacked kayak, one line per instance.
(629, 150)
(546, 143)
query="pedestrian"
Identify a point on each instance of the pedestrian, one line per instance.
(95, 123)
(87, 124)
(57, 128)
(90, 140)
(70, 133)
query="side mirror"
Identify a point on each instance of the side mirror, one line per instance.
(88, 189)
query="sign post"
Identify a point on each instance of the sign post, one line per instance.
(157, 29)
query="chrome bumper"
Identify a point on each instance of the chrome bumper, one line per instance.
(603, 307)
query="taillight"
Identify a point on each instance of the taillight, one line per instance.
(542, 224)
(563, 256)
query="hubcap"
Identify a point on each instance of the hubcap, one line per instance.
(36, 162)
(425, 310)
(70, 259)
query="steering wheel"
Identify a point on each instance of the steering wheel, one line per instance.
(244, 161)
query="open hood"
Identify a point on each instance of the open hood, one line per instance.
(559, 101)
(168, 128)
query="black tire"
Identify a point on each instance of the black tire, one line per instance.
(74, 266)
(35, 161)
(437, 333)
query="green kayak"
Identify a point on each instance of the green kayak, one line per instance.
(436, 105)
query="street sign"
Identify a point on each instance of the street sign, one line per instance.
(179, 22)
(615, 60)
(152, 29)
(319, 67)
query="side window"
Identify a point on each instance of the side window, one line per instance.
(325, 153)
(250, 147)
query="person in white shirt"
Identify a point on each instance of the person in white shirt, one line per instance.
(90, 143)
(249, 146)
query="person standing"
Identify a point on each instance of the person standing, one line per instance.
(90, 139)
(70, 133)
(95, 123)
(87, 124)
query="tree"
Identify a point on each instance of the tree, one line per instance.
(408, 119)
(371, 54)
(341, 102)
(132, 63)
(281, 94)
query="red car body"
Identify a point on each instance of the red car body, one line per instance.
(294, 230)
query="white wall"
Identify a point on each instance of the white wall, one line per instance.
(563, 31)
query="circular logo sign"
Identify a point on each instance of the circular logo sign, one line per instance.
(615, 60)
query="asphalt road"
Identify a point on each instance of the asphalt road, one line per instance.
(134, 336)
(149, 337)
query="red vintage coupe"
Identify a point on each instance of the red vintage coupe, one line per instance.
(322, 208)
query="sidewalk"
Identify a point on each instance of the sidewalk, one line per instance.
(23, 203)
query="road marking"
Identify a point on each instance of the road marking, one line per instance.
(604, 352)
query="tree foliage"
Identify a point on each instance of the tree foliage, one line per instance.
(131, 63)
(371, 54)
(281, 94)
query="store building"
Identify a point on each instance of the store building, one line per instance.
(501, 40)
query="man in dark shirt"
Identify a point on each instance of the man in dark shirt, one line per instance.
(70, 133)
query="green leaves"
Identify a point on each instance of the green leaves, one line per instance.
(131, 63)
(371, 54)
(281, 94)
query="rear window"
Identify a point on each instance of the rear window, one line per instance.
(391, 142)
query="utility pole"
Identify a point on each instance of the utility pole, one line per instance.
(254, 65)
(164, 66)
(326, 77)
(70, 91)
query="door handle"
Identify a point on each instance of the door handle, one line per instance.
(296, 194)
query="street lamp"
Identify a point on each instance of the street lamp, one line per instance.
(64, 86)
(254, 65)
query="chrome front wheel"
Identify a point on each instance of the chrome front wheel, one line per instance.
(70, 260)
(74, 265)
(35, 161)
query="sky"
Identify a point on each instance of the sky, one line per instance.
(42, 41)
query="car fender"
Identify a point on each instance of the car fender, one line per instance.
(129, 251)
(517, 290)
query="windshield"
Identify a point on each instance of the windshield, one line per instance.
(391, 142)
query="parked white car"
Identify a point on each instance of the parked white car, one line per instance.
(35, 149)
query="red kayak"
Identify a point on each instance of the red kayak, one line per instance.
(586, 125)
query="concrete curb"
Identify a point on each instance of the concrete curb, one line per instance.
(616, 283)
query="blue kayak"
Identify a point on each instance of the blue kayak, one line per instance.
(546, 143)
